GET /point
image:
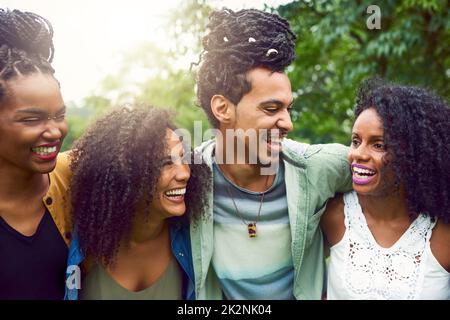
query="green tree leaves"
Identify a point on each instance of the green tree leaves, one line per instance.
(335, 51)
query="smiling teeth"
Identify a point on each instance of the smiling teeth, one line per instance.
(364, 172)
(176, 192)
(44, 151)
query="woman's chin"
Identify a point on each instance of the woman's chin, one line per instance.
(44, 168)
(175, 212)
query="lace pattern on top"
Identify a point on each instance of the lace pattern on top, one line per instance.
(374, 272)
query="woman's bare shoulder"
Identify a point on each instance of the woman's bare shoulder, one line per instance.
(440, 243)
(332, 221)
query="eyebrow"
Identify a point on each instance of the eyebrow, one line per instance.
(276, 102)
(182, 153)
(38, 111)
(370, 138)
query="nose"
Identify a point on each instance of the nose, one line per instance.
(54, 130)
(183, 172)
(359, 153)
(284, 123)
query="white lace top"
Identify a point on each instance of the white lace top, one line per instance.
(361, 269)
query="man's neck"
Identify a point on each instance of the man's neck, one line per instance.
(247, 176)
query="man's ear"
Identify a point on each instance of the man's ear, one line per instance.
(222, 108)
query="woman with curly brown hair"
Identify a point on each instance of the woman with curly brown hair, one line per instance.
(130, 191)
(390, 237)
(33, 224)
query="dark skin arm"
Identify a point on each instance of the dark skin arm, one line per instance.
(440, 244)
(332, 224)
(332, 221)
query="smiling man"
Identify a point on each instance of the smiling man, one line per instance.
(262, 240)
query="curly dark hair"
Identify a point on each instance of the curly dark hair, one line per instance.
(417, 133)
(26, 45)
(238, 42)
(116, 164)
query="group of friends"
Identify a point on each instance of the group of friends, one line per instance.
(130, 213)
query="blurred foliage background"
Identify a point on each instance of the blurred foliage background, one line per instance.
(335, 51)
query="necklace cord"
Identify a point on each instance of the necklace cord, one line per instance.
(260, 204)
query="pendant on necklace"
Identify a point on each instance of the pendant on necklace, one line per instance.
(251, 230)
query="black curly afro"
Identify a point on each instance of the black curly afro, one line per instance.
(417, 133)
(116, 164)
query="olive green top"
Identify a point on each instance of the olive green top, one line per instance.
(99, 285)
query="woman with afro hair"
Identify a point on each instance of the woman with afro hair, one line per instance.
(34, 225)
(390, 237)
(130, 189)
